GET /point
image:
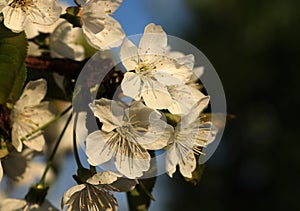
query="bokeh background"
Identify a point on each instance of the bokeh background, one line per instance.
(254, 46)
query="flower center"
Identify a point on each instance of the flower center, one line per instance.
(144, 68)
(23, 4)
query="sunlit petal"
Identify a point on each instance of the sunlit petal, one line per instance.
(153, 41)
(104, 177)
(109, 112)
(32, 94)
(131, 85)
(129, 55)
(132, 162)
(188, 165)
(156, 95)
(14, 18)
(172, 160)
(100, 147)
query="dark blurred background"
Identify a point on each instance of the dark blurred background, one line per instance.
(254, 46)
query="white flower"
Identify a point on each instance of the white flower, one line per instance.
(190, 135)
(101, 30)
(96, 193)
(28, 114)
(32, 29)
(150, 69)
(184, 98)
(126, 135)
(17, 13)
(187, 94)
(22, 205)
(67, 42)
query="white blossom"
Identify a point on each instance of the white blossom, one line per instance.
(28, 114)
(32, 29)
(17, 13)
(96, 193)
(10, 204)
(150, 70)
(67, 42)
(186, 94)
(126, 135)
(101, 30)
(190, 135)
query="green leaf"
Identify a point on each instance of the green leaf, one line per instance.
(140, 197)
(13, 48)
(196, 175)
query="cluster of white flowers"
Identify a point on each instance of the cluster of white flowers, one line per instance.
(156, 80)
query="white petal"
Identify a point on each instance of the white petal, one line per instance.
(139, 114)
(158, 133)
(39, 114)
(36, 142)
(172, 160)
(185, 97)
(12, 204)
(168, 69)
(153, 41)
(131, 85)
(198, 72)
(187, 61)
(31, 30)
(44, 12)
(129, 55)
(68, 194)
(14, 18)
(66, 42)
(168, 79)
(97, 148)
(32, 94)
(188, 165)
(195, 112)
(102, 8)
(109, 112)
(105, 177)
(102, 33)
(19, 130)
(133, 163)
(3, 3)
(158, 136)
(156, 95)
(1, 172)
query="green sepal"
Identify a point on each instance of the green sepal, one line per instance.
(196, 175)
(36, 194)
(72, 16)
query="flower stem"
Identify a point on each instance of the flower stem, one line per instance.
(50, 159)
(57, 117)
